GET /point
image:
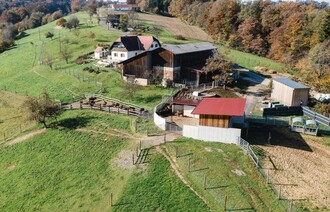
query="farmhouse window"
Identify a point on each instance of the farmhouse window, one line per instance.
(115, 54)
(122, 55)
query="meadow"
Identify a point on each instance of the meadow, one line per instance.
(24, 71)
(227, 171)
(71, 167)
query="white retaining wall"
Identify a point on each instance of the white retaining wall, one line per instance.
(213, 134)
(158, 120)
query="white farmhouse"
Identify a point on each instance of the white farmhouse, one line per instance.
(127, 47)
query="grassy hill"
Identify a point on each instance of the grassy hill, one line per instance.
(75, 167)
(22, 72)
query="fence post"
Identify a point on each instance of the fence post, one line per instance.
(204, 182)
(291, 202)
(133, 158)
(189, 163)
(176, 151)
(225, 203)
(279, 192)
(111, 199)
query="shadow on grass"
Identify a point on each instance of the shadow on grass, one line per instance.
(102, 40)
(201, 169)
(74, 123)
(122, 204)
(216, 187)
(184, 155)
(241, 209)
(259, 135)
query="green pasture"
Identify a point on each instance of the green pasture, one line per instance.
(227, 171)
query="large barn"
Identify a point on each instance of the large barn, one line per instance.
(220, 112)
(172, 62)
(289, 92)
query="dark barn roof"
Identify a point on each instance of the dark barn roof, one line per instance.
(188, 48)
(291, 83)
(190, 102)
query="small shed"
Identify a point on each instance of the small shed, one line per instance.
(220, 112)
(99, 52)
(185, 106)
(289, 92)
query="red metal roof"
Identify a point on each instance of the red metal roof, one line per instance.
(221, 106)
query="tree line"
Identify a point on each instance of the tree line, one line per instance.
(297, 35)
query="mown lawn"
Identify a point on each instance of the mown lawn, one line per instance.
(229, 172)
(157, 189)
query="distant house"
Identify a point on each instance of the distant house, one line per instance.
(171, 62)
(125, 7)
(127, 47)
(289, 92)
(99, 52)
(220, 112)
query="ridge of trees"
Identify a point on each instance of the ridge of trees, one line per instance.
(295, 34)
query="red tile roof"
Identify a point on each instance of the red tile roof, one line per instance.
(221, 106)
(99, 49)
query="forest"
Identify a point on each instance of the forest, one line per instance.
(294, 34)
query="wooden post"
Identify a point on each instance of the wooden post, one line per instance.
(279, 193)
(100, 107)
(205, 182)
(189, 164)
(111, 199)
(133, 158)
(109, 109)
(291, 202)
(225, 203)
(127, 111)
(176, 151)
(140, 145)
(118, 109)
(267, 176)
(165, 137)
(137, 151)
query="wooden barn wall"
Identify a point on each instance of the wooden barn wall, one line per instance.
(162, 58)
(192, 58)
(214, 121)
(282, 93)
(300, 95)
(138, 67)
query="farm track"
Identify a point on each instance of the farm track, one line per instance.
(175, 167)
(305, 173)
(25, 137)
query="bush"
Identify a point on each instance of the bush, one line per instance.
(179, 37)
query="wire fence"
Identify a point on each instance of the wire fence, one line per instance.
(10, 132)
(248, 149)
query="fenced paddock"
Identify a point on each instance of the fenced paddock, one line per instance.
(213, 134)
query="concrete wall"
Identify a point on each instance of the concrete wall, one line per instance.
(187, 109)
(213, 134)
(138, 81)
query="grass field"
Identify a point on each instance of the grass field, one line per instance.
(251, 61)
(229, 172)
(21, 73)
(157, 189)
(67, 169)
(13, 119)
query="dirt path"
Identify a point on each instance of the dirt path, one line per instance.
(175, 167)
(176, 27)
(305, 173)
(25, 137)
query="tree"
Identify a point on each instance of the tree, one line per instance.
(49, 35)
(131, 18)
(221, 69)
(65, 54)
(42, 108)
(156, 30)
(91, 35)
(61, 22)
(73, 22)
(49, 60)
(129, 89)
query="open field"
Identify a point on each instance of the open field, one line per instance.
(299, 162)
(157, 189)
(13, 116)
(229, 172)
(71, 168)
(21, 72)
(176, 27)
